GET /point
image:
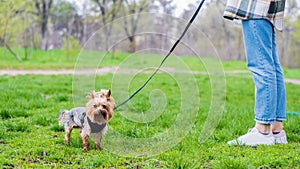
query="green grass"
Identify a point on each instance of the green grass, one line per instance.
(292, 73)
(52, 59)
(56, 59)
(31, 138)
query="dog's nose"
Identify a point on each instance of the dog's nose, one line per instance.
(103, 113)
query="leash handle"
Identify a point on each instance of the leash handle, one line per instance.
(166, 57)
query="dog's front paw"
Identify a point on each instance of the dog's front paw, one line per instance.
(85, 149)
(67, 142)
(98, 146)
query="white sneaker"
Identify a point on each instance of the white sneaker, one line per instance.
(280, 138)
(253, 138)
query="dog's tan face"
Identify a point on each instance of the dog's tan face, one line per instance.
(100, 106)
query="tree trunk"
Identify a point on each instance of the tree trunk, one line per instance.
(13, 53)
(132, 44)
(43, 9)
(3, 41)
(133, 10)
(26, 53)
(44, 27)
(107, 17)
(43, 42)
(4, 36)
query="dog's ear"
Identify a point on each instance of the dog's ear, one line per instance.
(92, 94)
(108, 92)
(105, 92)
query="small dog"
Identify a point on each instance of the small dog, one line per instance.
(90, 119)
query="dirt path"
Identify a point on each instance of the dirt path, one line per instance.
(15, 72)
(106, 70)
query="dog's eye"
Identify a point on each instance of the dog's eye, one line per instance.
(95, 106)
(104, 106)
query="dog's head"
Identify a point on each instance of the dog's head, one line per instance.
(100, 107)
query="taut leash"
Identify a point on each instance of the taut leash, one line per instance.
(166, 57)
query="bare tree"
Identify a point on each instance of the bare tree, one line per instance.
(8, 12)
(287, 48)
(167, 7)
(109, 11)
(43, 12)
(132, 10)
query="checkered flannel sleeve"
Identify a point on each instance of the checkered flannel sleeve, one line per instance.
(272, 10)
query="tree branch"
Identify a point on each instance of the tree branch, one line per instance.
(12, 52)
(37, 6)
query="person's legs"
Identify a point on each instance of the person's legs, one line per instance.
(277, 127)
(258, 39)
(281, 92)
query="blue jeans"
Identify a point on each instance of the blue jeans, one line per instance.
(263, 62)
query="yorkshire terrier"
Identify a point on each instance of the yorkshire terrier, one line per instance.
(90, 119)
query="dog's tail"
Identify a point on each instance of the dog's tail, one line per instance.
(62, 116)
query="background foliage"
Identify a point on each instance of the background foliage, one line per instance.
(25, 24)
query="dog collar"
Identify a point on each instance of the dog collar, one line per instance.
(95, 127)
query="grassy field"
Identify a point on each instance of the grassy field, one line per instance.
(31, 138)
(55, 59)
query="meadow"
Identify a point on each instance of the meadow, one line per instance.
(31, 138)
(55, 60)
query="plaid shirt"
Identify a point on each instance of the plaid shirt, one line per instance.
(272, 10)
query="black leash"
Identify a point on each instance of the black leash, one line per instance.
(166, 57)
